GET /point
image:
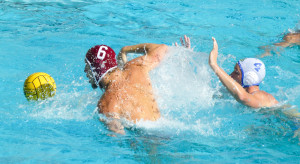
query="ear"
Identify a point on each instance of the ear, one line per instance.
(250, 78)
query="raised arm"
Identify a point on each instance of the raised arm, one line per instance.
(139, 48)
(238, 92)
(154, 52)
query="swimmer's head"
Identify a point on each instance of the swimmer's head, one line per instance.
(249, 72)
(100, 60)
(237, 74)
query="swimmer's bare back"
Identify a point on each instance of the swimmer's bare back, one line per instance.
(128, 91)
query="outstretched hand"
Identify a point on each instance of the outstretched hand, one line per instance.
(186, 44)
(214, 53)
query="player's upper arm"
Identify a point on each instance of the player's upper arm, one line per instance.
(258, 100)
(250, 100)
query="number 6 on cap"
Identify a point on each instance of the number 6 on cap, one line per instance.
(101, 53)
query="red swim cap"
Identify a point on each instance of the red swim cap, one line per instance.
(101, 59)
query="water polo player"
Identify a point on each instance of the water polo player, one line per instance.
(243, 82)
(128, 89)
(290, 39)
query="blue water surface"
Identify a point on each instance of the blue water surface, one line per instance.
(201, 122)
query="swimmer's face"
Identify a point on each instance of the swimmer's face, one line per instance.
(237, 74)
(89, 75)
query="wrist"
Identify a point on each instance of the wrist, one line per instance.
(214, 66)
(123, 49)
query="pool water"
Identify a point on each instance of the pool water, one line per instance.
(201, 122)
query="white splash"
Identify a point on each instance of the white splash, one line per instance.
(66, 104)
(182, 81)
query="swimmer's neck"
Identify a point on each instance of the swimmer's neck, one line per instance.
(252, 89)
(103, 84)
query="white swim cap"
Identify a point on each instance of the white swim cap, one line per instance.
(253, 71)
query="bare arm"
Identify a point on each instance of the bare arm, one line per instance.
(238, 92)
(114, 124)
(154, 51)
(144, 48)
(289, 40)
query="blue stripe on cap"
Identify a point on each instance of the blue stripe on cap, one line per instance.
(241, 68)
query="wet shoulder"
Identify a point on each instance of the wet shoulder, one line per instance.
(266, 98)
(115, 75)
(135, 67)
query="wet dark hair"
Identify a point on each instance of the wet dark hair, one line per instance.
(101, 86)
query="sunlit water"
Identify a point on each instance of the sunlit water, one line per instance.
(201, 122)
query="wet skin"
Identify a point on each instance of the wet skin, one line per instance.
(128, 91)
(237, 74)
(250, 96)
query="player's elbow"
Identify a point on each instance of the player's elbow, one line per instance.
(243, 98)
(123, 49)
(163, 46)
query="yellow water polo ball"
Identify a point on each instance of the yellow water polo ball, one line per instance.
(39, 86)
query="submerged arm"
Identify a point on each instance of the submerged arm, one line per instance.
(114, 124)
(236, 90)
(289, 40)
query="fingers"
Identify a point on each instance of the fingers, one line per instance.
(215, 42)
(181, 42)
(187, 42)
(185, 38)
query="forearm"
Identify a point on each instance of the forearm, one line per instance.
(232, 86)
(283, 44)
(139, 48)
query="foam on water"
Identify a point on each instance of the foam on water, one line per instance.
(67, 104)
(183, 87)
(183, 75)
(172, 127)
